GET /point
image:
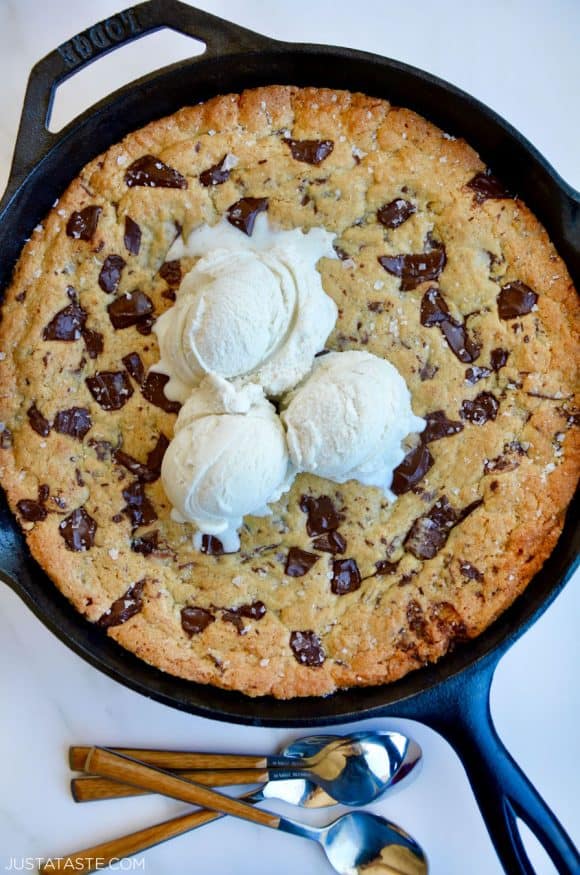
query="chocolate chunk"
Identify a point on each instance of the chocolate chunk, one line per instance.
(78, 530)
(170, 271)
(146, 544)
(396, 212)
(152, 390)
(307, 648)
(135, 367)
(501, 464)
(299, 562)
(345, 576)
(469, 571)
(415, 269)
(429, 532)
(438, 427)
(195, 620)
(412, 469)
(330, 542)
(151, 172)
(102, 448)
(428, 371)
(155, 457)
(75, 421)
(479, 411)
(416, 620)
(515, 299)
(384, 567)
(124, 607)
(37, 421)
(475, 374)
(82, 225)
(254, 611)
(129, 309)
(486, 186)
(67, 324)
(449, 621)
(310, 151)
(498, 358)
(110, 389)
(434, 311)
(110, 275)
(151, 470)
(322, 514)
(243, 213)
(5, 439)
(216, 174)
(211, 545)
(94, 342)
(132, 238)
(43, 492)
(138, 508)
(31, 511)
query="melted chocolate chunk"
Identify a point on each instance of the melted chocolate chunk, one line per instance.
(110, 275)
(5, 439)
(149, 471)
(345, 576)
(322, 514)
(195, 620)
(216, 174)
(469, 571)
(429, 532)
(438, 427)
(146, 544)
(67, 324)
(132, 238)
(412, 469)
(428, 371)
(102, 448)
(152, 390)
(124, 607)
(307, 648)
(110, 389)
(310, 151)
(384, 567)
(479, 411)
(416, 620)
(155, 457)
(82, 225)
(449, 621)
(330, 542)
(151, 172)
(243, 213)
(486, 186)
(498, 358)
(138, 508)
(396, 212)
(475, 374)
(130, 309)
(75, 421)
(94, 342)
(434, 311)
(37, 421)
(211, 545)
(170, 271)
(134, 367)
(415, 269)
(299, 562)
(78, 530)
(31, 511)
(254, 611)
(515, 299)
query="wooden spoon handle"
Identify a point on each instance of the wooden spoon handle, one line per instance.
(90, 789)
(102, 855)
(174, 759)
(107, 764)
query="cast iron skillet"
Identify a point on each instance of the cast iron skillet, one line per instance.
(452, 696)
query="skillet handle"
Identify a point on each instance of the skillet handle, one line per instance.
(503, 793)
(34, 140)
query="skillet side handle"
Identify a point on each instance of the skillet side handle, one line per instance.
(34, 140)
(503, 793)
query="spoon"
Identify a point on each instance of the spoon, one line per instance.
(354, 770)
(357, 843)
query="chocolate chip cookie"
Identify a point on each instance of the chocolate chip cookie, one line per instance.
(441, 271)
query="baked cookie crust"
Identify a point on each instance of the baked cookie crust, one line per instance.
(440, 271)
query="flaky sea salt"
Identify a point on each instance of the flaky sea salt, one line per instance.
(114, 554)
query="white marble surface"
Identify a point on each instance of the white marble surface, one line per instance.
(522, 58)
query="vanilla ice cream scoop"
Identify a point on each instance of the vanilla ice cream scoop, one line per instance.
(346, 421)
(228, 459)
(251, 309)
